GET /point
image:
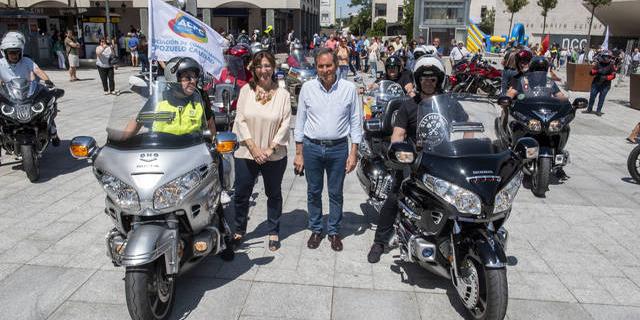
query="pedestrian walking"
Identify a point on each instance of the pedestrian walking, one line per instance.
(343, 52)
(71, 46)
(133, 49)
(354, 59)
(262, 125)
(105, 52)
(604, 71)
(328, 115)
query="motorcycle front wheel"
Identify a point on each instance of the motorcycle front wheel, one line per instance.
(483, 291)
(540, 178)
(633, 163)
(149, 291)
(30, 162)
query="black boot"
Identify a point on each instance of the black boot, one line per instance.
(375, 252)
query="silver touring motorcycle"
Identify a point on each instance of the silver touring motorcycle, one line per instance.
(163, 195)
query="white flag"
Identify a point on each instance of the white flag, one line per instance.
(605, 44)
(175, 33)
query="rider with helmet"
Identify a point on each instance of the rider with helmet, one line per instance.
(296, 56)
(429, 75)
(526, 64)
(181, 98)
(14, 65)
(395, 72)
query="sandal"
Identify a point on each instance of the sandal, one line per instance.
(630, 141)
(274, 245)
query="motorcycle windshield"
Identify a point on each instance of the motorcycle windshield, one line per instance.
(536, 84)
(457, 126)
(163, 117)
(19, 89)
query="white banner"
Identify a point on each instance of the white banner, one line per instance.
(175, 33)
(605, 43)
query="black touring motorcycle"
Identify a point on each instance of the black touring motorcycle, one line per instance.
(28, 109)
(455, 201)
(537, 114)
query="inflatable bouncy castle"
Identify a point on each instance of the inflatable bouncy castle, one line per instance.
(478, 41)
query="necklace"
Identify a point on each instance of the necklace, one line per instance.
(263, 96)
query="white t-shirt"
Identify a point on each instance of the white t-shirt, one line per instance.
(21, 70)
(456, 54)
(636, 56)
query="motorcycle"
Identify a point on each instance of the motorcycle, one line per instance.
(633, 163)
(298, 71)
(28, 109)
(476, 76)
(224, 92)
(162, 195)
(454, 204)
(537, 114)
(374, 176)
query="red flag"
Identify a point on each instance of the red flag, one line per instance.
(544, 45)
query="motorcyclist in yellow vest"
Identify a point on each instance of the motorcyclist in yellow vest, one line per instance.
(183, 99)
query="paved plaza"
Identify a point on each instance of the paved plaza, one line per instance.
(573, 254)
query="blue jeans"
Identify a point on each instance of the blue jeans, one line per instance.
(317, 160)
(246, 174)
(373, 67)
(344, 72)
(596, 89)
(507, 74)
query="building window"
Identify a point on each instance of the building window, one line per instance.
(445, 12)
(400, 15)
(381, 10)
(483, 12)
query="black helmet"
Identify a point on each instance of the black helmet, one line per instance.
(539, 63)
(177, 65)
(522, 56)
(393, 61)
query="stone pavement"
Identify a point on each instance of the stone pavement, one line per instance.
(572, 254)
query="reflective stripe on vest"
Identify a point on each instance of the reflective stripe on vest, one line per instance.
(185, 122)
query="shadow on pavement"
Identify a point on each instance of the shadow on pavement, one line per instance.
(629, 180)
(55, 161)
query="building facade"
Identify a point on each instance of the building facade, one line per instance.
(479, 8)
(443, 19)
(327, 13)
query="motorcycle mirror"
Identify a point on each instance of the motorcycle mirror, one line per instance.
(526, 148)
(83, 147)
(580, 103)
(136, 81)
(401, 153)
(58, 93)
(505, 101)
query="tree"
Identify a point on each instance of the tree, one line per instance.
(362, 21)
(379, 28)
(407, 17)
(546, 5)
(488, 21)
(513, 6)
(594, 4)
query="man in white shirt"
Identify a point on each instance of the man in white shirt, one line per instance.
(13, 65)
(457, 54)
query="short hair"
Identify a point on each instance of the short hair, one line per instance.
(324, 51)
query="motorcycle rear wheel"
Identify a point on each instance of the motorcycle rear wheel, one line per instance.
(149, 291)
(30, 162)
(540, 178)
(490, 299)
(633, 163)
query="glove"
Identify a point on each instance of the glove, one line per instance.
(49, 83)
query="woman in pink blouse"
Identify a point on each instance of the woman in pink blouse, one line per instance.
(262, 125)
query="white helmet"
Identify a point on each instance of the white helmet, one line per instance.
(429, 66)
(12, 40)
(425, 51)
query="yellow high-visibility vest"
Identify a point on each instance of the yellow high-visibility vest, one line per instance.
(187, 121)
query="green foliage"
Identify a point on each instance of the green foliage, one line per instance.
(513, 6)
(361, 22)
(594, 5)
(546, 6)
(407, 13)
(379, 28)
(488, 21)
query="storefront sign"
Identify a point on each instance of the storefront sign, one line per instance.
(569, 41)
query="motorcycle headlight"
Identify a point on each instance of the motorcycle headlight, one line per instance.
(505, 197)
(555, 126)
(464, 200)
(175, 190)
(124, 195)
(534, 125)
(7, 110)
(38, 107)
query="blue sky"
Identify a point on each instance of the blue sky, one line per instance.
(345, 9)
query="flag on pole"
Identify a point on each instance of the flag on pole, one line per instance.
(544, 45)
(175, 33)
(605, 43)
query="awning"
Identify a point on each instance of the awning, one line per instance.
(20, 14)
(46, 3)
(621, 16)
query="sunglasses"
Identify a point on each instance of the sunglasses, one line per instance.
(429, 79)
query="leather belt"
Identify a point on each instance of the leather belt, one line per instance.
(327, 143)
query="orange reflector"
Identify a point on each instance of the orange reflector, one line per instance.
(120, 248)
(225, 146)
(200, 246)
(79, 151)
